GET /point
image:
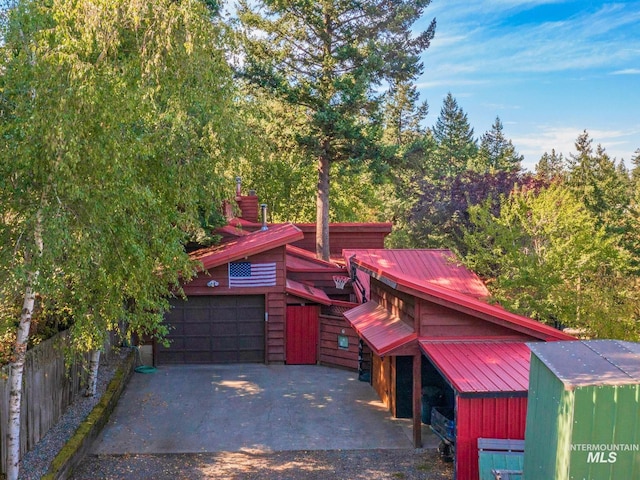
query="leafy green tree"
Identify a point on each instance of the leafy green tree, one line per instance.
(497, 153)
(551, 166)
(115, 121)
(329, 57)
(441, 215)
(457, 146)
(546, 256)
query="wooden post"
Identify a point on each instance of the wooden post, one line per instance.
(417, 400)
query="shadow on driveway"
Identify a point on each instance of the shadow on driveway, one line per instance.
(250, 408)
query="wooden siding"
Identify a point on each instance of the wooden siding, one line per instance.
(276, 310)
(486, 418)
(346, 236)
(383, 378)
(397, 303)
(439, 321)
(330, 354)
(49, 388)
(198, 285)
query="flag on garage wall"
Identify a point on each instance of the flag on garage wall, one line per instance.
(247, 274)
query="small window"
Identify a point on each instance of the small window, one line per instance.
(343, 342)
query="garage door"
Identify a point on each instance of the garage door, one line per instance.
(221, 329)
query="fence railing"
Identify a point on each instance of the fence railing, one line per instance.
(49, 387)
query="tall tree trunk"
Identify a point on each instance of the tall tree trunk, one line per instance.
(19, 356)
(94, 363)
(322, 208)
(17, 370)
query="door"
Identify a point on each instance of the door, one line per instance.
(215, 329)
(302, 334)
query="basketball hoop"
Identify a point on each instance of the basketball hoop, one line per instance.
(340, 281)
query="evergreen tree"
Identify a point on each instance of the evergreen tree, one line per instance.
(403, 114)
(551, 166)
(328, 57)
(454, 136)
(599, 183)
(635, 172)
(497, 153)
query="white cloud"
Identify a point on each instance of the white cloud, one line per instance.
(617, 143)
(627, 71)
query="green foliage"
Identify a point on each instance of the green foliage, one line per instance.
(551, 166)
(457, 147)
(545, 256)
(329, 58)
(497, 153)
(116, 121)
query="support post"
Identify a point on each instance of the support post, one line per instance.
(417, 400)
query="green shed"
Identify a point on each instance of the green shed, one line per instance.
(583, 417)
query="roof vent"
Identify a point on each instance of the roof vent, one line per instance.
(238, 186)
(263, 206)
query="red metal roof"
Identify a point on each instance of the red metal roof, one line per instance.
(381, 330)
(245, 246)
(396, 269)
(477, 368)
(301, 260)
(437, 267)
(308, 292)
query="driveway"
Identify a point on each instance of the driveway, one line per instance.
(250, 408)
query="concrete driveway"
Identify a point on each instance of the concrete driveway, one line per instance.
(265, 408)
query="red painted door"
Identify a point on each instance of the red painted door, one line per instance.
(302, 334)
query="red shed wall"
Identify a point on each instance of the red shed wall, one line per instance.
(485, 418)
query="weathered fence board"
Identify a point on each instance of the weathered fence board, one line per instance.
(48, 389)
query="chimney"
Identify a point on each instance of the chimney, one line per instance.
(248, 204)
(263, 207)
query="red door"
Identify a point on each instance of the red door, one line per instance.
(302, 334)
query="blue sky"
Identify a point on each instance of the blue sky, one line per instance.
(549, 70)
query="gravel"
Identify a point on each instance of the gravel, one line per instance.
(389, 464)
(35, 463)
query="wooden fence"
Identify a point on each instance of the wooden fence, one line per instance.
(48, 389)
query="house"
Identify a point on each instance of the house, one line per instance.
(428, 328)
(262, 296)
(414, 323)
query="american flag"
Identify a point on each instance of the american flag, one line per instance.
(247, 274)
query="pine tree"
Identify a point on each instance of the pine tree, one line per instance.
(551, 166)
(456, 145)
(497, 153)
(329, 57)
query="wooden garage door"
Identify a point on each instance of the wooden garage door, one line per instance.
(220, 329)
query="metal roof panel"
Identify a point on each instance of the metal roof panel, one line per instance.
(307, 292)
(481, 367)
(591, 362)
(383, 331)
(247, 245)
